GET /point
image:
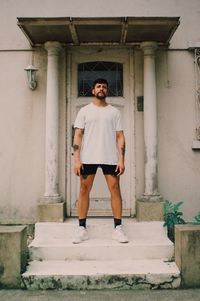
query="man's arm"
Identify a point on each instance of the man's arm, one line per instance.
(77, 149)
(121, 151)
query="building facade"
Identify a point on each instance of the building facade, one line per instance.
(149, 52)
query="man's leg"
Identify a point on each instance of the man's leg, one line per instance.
(116, 203)
(86, 182)
(116, 199)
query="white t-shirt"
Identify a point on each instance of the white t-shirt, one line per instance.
(99, 140)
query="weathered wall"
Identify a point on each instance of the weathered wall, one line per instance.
(22, 132)
(22, 114)
(179, 165)
(22, 136)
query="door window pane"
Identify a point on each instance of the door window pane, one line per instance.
(112, 72)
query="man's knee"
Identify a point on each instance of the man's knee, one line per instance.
(115, 188)
(85, 188)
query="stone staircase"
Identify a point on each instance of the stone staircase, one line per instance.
(101, 263)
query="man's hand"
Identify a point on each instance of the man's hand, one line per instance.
(121, 150)
(77, 147)
(77, 168)
(120, 168)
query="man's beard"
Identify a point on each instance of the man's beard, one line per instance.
(100, 95)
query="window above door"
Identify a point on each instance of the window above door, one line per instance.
(111, 71)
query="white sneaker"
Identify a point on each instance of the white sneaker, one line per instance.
(119, 235)
(81, 235)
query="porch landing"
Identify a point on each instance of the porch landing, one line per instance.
(101, 263)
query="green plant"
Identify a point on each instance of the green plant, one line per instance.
(196, 220)
(172, 216)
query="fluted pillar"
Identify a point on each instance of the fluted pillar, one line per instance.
(150, 204)
(51, 205)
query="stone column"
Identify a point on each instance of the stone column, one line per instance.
(150, 118)
(51, 207)
(149, 207)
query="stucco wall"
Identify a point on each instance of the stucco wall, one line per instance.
(22, 132)
(22, 136)
(22, 114)
(179, 165)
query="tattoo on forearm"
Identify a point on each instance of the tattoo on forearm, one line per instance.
(75, 147)
(123, 149)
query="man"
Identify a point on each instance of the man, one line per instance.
(99, 142)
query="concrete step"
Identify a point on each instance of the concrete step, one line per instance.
(101, 249)
(100, 228)
(148, 240)
(101, 274)
(100, 262)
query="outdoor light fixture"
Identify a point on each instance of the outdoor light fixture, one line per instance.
(31, 75)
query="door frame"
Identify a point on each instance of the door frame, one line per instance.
(69, 149)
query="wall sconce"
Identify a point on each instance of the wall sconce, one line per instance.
(31, 75)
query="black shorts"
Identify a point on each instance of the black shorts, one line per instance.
(91, 169)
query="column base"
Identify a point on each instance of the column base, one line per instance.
(150, 208)
(50, 211)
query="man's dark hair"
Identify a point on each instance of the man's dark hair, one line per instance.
(100, 81)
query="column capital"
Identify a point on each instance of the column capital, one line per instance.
(53, 48)
(149, 47)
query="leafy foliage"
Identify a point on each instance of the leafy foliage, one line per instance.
(172, 216)
(196, 220)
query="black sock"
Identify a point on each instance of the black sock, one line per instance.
(82, 222)
(117, 222)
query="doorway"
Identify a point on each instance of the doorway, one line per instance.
(116, 65)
